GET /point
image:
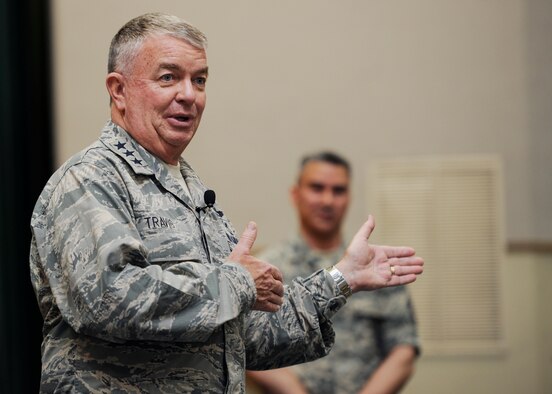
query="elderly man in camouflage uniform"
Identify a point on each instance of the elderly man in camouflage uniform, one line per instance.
(143, 287)
(376, 341)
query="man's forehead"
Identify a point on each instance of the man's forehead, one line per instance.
(316, 167)
(163, 48)
(322, 172)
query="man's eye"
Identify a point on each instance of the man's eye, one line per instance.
(201, 81)
(167, 77)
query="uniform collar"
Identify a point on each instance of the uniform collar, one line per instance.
(127, 148)
(142, 162)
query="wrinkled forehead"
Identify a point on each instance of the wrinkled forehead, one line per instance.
(171, 52)
(163, 41)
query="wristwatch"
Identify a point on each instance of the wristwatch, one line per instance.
(342, 285)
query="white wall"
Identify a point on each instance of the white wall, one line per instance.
(525, 365)
(369, 79)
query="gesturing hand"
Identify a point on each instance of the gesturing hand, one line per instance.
(368, 267)
(268, 278)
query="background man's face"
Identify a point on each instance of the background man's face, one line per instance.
(321, 197)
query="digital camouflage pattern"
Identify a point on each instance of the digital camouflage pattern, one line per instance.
(366, 330)
(135, 289)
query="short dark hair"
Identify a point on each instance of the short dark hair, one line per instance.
(326, 157)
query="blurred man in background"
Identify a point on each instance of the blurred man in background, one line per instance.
(376, 340)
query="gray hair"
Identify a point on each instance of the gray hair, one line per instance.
(126, 43)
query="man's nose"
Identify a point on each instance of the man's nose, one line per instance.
(327, 197)
(186, 92)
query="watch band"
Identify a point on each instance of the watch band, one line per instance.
(340, 281)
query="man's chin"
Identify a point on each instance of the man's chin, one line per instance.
(325, 231)
(179, 138)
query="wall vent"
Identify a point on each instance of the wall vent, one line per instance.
(449, 209)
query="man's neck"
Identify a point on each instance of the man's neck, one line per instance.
(323, 243)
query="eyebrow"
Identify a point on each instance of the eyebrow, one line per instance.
(323, 185)
(176, 67)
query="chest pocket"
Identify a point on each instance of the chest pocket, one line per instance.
(170, 235)
(173, 232)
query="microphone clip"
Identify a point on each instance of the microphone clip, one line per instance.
(209, 198)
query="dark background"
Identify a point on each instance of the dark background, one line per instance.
(26, 164)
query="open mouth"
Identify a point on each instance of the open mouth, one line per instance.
(181, 120)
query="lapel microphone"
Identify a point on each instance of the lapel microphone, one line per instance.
(209, 198)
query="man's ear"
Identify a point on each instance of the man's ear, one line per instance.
(293, 192)
(115, 84)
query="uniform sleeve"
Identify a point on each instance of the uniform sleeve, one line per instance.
(399, 325)
(300, 331)
(96, 264)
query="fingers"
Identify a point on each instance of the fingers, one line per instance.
(277, 274)
(247, 239)
(365, 232)
(398, 251)
(268, 279)
(270, 301)
(404, 270)
(278, 289)
(275, 299)
(368, 267)
(404, 262)
(269, 285)
(401, 270)
(402, 280)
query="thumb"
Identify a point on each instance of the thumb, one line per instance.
(247, 239)
(366, 230)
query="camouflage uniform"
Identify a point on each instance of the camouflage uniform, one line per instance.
(135, 289)
(366, 330)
